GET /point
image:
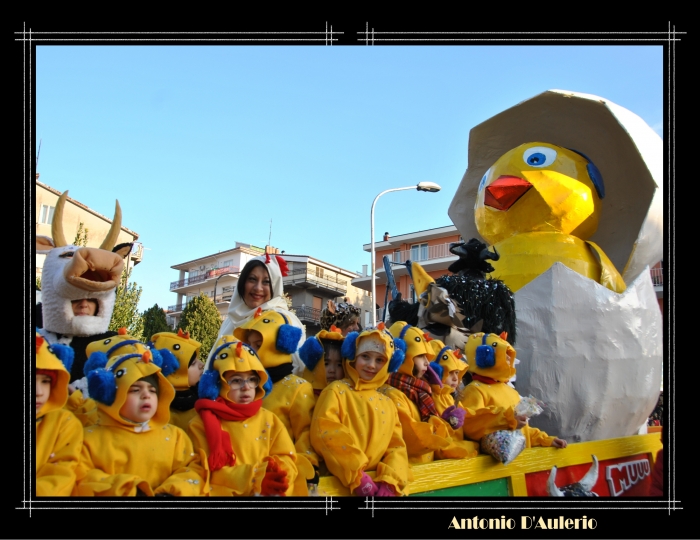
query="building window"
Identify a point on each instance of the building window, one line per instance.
(46, 214)
(397, 255)
(419, 252)
(319, 272)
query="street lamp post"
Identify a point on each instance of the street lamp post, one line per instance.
(430, 187)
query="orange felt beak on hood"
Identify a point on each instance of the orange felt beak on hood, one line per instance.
(505, 191)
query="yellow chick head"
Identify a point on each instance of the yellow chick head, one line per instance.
(539, 187)
(490, 355)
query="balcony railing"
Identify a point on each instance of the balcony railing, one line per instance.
(439, 251)
(225, 296)
(307, 314)
(177, 307)
(657, 277)
(303, 276)
(215, 272)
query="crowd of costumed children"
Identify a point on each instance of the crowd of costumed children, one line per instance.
(152, 420)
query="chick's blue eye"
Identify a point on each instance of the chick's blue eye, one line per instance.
(539, 156)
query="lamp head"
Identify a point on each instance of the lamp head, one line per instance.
(431, 187)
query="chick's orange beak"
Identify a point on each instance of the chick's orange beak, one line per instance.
(505, 191)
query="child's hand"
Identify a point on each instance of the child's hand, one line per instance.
(275, 481)
(559, 443)
(522, 421)
(367, 487)
(454, 416)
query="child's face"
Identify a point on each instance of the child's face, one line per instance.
(334, 366)
(420, 365)
(242, 386)
(453, 379)
(43, 390)
(194, 372)
(368, 364)
(141, 402)
(255, 340)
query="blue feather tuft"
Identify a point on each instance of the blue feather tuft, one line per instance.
(485, 356)
(150, 345)
(65, 354)
(396, 360)
(101, 385)
(288, 337)
(97, 360)
(311, 352)
(596, 178)
(209, 385)
(594, 174)
(170, 363)
(348, 348)
(400, 344)
(157, 357)
(268, 385)
(437, 368)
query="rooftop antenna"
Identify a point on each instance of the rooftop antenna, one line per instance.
(37, 155)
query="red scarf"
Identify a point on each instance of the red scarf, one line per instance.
(483, 379)
(418, 391)
(212, 412)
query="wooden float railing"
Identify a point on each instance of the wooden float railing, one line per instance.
(441, 476)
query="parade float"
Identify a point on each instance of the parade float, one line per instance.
(567, 189)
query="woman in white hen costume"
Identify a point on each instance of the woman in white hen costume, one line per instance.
(239, 312)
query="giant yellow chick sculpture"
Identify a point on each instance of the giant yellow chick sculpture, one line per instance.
(537, 205)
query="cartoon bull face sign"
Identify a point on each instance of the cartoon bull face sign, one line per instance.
(582, 488)
(74, 272)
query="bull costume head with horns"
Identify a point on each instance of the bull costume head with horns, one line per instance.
(75, 273)
(582, 488)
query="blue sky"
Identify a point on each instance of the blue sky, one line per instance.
(208, 145)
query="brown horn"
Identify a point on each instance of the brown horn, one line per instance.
(57, 224)
(111, 238)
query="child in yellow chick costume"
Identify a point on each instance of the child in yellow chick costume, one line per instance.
(58, 434)
(186, 377)
(355, 428)
(450, 366)
(249, 450)
(428, 434)
(292, 398)
(79, 401)
(322, 358)
(132, 450)
(490, 402)
(538, 204)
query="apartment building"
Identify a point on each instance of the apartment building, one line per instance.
(310, 283)
(430, 248)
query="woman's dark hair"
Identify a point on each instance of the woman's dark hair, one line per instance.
(247, 269)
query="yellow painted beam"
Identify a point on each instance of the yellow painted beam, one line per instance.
(449, 473)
